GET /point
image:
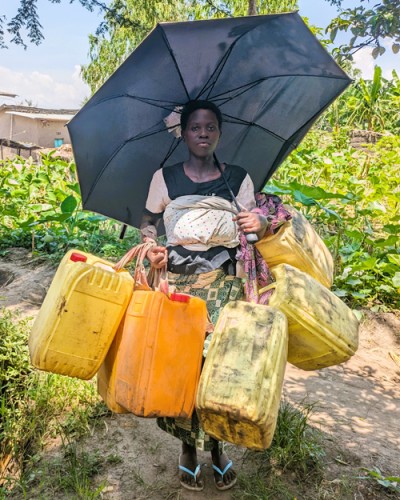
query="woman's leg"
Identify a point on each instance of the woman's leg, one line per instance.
(220, 460)
(188, 459)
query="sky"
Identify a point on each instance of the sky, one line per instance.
(48, 75)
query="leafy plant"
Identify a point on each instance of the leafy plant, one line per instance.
(40, 208)
(390, 483)
(296, 445)
(36, 405)
(352, 199)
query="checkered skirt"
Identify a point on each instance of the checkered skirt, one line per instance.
(217, 289)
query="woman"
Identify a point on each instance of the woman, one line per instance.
(202, 242)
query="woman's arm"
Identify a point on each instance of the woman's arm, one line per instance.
(157, 255)
(248, 221)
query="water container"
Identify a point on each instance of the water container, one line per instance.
(79, 316)
(159, 358)
(296, 243)
(241, 382)
(323, 331)
(106, 375)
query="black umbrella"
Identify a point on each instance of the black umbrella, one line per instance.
(269, 75)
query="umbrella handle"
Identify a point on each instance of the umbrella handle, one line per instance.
(250, 237)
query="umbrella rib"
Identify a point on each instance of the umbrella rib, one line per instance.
(167, 105)
(239, 121)
(171, 52)
(114, 154)
(251, 85)
(208, 86)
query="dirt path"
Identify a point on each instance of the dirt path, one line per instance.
(357, 408)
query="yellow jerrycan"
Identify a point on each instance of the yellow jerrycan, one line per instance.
(297, 243)
(79, 316)
(323, 331)
(241, 381)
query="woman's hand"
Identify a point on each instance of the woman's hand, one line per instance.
(157, 256)
(250, 222)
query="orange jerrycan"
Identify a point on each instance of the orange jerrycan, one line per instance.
(79, 316)
(323, 331)
(159, 357)
(106, 375)
(241, 381)
(297, 243)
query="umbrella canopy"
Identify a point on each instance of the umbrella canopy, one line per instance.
(269, 75)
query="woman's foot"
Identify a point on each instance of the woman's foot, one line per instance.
(224, 476)
(190, 474)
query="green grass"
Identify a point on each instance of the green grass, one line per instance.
(37, 406)
(295, 456)
(296, 445)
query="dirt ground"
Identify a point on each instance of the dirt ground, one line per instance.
(357, 410)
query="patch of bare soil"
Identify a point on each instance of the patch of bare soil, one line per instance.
(357, 410)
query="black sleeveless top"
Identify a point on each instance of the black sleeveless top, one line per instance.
(182, 260)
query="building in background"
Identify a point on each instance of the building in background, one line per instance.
(26, 128)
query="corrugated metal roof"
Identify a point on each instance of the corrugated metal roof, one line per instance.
(43, 116)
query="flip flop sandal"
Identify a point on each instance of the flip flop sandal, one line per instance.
(195, 475)
(222, 474)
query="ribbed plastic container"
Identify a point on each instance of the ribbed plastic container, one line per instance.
(241, 382)
(106, 375)
(297, 243)
(323, 331)
(79, 316)
(159, 357)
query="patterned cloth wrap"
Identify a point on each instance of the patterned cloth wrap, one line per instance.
(217, 289)
(200, 222)
(256, 269)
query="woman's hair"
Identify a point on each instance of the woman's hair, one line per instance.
(192, 106)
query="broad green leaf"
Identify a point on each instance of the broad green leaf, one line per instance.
(396, 280)
(75, 187)
(41, 207)
(317, 193)
(391, 228)
(340, 293)
(394, 258)
(69, 205)
(389, 242)
(385, 288)
(353, 281)
(366, 264)
(275, 189)
(376, 207)
(302, 198)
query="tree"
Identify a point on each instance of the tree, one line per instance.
(109, 48)
(27, 16)
(369, 25)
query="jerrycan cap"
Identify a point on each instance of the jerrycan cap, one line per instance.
(179, 297)
(77, 257)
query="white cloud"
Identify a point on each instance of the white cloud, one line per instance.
(365, 62)
(44, 90)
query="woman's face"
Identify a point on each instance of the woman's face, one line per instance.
(202, 133)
